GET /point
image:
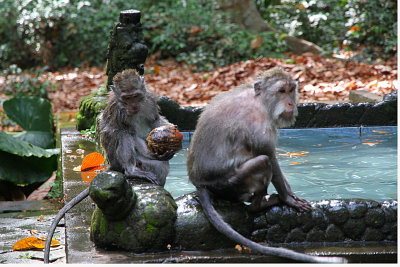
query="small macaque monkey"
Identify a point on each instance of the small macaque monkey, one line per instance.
(232, 153)
(131, 113)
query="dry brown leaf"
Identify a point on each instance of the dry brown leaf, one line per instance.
(256, 42)
(33, 243)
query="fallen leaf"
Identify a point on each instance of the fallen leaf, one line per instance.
(194, 30)
(33, 243)
(87, 176)
(294, 163)
(381, 132)
(247, 249)
(256, 42)
(77, 168)
(294, 154)
(91, 161)
(238, 248)
(369, 143)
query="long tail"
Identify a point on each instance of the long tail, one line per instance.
(228, 231)
(57, 219)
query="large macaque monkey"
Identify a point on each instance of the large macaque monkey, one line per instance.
(131, 113)
(232, 153)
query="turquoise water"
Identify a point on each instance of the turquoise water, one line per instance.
(326, 163)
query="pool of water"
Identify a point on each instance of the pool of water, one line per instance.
(325, 163)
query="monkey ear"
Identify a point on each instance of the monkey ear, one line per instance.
(257, 88)
(114, 88)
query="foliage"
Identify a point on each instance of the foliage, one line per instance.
(370, 25)
(72, 32)
(90, 132)
(60, 33)
(24, 157)
(194, 32)
(25, 83)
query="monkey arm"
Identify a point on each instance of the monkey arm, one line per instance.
(266, 147)
(286, 194)
(161, 121)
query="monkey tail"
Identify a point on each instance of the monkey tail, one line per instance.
(57, 219)
(228, 231)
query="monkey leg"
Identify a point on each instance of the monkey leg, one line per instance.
(250, 168)
(251, 179)
(262, 202)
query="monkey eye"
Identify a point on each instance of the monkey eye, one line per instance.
(291, 89)
(282, 90)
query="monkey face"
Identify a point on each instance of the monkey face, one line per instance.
(279, 96)
(131, 101)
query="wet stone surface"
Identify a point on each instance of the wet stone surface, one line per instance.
(21, 219)
(195, 239)
(329, 221)
(147, 224)
(332, 221)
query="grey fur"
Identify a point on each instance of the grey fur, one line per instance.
(123, 136)
(232, 153)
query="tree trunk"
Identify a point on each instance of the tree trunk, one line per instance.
(245, 13)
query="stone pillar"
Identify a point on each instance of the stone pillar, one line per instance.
(126, 49)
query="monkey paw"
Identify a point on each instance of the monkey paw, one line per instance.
(297, 203)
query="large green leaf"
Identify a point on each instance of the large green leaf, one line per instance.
(31, 113)
(20, 170)
(37, 138)
(19, 147)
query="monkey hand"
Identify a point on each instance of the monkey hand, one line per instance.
(166, 156)
(298, 203)
(145, 175)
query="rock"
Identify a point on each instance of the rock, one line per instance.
(375, 218)
(112, 194)
(354, 228)
(296, 235)
(195, 232)
(276, 234)
(315, 235)
(147, 226)
(90, 107)
(184, 117)
(357, 210)
(334, 234)
(287, 220)
(126, 49)
(338, 213)
(372, 234)
(362, 95)
(273, 215)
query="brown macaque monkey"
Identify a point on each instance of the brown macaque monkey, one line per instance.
(131, 113)
(232, 153)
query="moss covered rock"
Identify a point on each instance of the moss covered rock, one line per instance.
(148, 224)
(90, 107)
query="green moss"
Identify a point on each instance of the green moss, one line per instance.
(103, 225)
(150, 228)
(119, 227)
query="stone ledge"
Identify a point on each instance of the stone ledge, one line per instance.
(311, 115)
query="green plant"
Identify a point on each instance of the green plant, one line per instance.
(91, 132)
(370, 25)
(26, 158)
(26, 255)
(57, 33)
